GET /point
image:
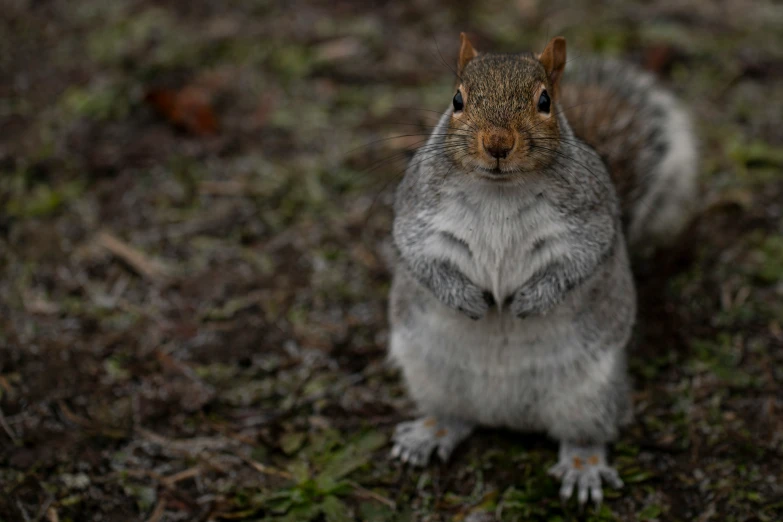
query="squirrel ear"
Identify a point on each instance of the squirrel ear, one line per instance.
(553, 59)
(466, 52)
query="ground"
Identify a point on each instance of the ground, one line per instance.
(193, 301)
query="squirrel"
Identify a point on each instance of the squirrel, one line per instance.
(512, 300)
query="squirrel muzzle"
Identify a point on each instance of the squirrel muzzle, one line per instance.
(498, 143)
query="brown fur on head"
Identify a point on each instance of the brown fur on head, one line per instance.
(501, 128)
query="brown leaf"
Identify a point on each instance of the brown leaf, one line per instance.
(659, 58)
(189, 108)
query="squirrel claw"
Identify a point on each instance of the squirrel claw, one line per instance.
(582, 468)
(415, 441)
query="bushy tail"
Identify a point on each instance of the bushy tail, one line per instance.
(646, 139)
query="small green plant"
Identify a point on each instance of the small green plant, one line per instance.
(320, 482)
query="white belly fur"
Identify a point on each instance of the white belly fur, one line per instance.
(501, 236)
(499, 371)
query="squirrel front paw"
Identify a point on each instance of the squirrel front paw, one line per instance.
(476, 303)
(526, 302)
(535, 298)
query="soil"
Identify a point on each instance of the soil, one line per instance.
(193, 200)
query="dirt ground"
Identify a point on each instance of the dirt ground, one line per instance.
(192, 299)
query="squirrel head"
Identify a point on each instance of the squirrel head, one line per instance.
(503, 120)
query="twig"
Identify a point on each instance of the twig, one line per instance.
(157, 513)
(140, 473)
(7, 427)
(268, 470)
(71, 416)
(22, 510)
(224, 430)
(167, 483)
(175, 364)
(366, 493)
(182, 475)
(5, 384)
(191, 446)
(140, 262)
(52, 515)
(44, 509)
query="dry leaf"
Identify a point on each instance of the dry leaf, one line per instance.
(659, 58)
(339, 49)
(189, 108)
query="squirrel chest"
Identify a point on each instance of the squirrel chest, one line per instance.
(498, 239)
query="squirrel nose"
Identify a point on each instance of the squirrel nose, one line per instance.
(498, 146)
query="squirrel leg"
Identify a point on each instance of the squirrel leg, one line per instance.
(584, 467)
(414, 441)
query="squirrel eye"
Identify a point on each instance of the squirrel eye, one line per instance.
(544, 102)
(458, 103)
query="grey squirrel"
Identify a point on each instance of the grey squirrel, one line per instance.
(512, 301)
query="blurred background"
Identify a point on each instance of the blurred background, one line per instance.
(192, 299)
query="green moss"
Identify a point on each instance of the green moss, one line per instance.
(768, 263)
(115, 42)
(42, 200)
(650, 512)
(764, 160)
(100, 102)
(721, 358)
(292, 62)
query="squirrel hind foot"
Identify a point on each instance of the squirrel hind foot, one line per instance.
(584, 468)
(415, 441)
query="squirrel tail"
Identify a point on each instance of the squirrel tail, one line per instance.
(645, 137)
